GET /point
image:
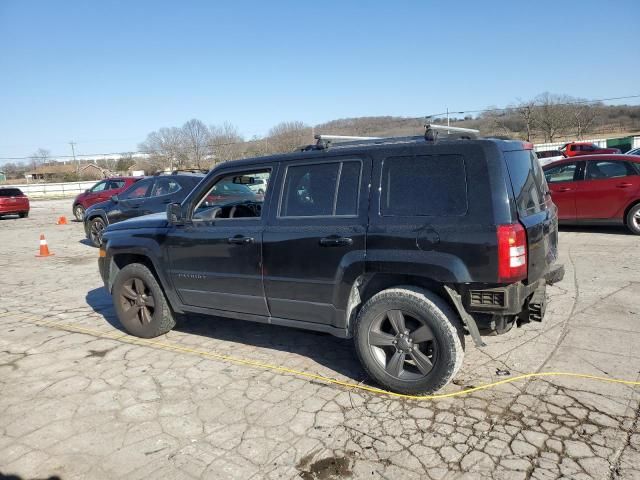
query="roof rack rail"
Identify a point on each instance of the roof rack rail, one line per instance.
(432, 132)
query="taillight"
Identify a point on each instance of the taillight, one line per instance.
(512, 253)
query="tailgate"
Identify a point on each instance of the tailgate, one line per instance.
(536, 211)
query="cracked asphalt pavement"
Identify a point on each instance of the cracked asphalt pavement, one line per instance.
(97, 405)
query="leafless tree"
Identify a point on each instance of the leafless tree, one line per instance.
(225, 142)
(526, 112)
(584, 117)
(552, 115)
(166, 148)
(196, 141)
(287, 136)
(40, 157)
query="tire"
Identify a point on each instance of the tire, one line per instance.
(78, 212)
(633, 219)
(133, 288)
(441, 343)
(24, 214)
(96, 227)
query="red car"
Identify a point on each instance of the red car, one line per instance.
(574, 149)
(101, 192)
(13, 202)
(597, 189)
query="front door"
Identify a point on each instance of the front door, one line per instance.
(131, 201)
(563, 181)
(216, 258)
(314, 243)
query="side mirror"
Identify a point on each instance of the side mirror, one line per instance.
(174, 214)
(86, 191)
(115, 198)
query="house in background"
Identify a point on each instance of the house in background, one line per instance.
(91, 171)
(51, 172)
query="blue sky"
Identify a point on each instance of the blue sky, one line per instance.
(105, 74)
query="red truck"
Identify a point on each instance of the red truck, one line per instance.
(574, 149)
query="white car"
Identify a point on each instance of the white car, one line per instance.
(259, 186)
(635, 151)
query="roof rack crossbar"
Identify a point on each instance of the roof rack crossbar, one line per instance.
(432, 132)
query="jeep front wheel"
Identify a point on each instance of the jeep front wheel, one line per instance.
(409, 340)
(140, 303)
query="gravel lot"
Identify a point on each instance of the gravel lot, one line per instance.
(80, 399)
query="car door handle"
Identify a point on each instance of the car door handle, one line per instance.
(564, 189)
(335, 241)
(240, 240)
(624, 185)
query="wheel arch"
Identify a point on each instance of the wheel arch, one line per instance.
(121, 258)
(368, 285)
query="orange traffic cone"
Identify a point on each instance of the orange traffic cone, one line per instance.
(62, 220)
(44, 248)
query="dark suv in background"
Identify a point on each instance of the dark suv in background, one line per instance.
(404, 244)
(100, 192)
(149, 195)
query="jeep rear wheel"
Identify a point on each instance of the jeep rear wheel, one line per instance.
(409, 340)
(140, 302)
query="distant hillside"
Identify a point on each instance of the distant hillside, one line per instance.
(603, 120)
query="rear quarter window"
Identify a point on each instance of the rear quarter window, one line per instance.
(527, 180)
(10, 192)
(424, 185)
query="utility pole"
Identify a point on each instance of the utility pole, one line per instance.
(448, 124)
(73, 152)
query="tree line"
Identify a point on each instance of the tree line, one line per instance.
(545, 118)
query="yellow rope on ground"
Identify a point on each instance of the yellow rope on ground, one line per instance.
(119, 336)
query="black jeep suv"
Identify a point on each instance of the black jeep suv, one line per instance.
(404, 244)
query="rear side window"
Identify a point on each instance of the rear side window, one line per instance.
(113, 184)
(10, 192)
(321, 190)
(607, 169)
(424, 185)
(528, 181)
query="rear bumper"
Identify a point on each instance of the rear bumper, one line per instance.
(510, 299)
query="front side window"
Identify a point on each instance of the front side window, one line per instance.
(424, 185)
(561, 173)
(232, 197)
(99, 187)
(164, 186)
(138, 190)
(321, 190)
(603, 169)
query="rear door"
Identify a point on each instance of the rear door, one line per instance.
(563, 181)
(164, 191)
(314, 243)
(608, 188)
(536, 211)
